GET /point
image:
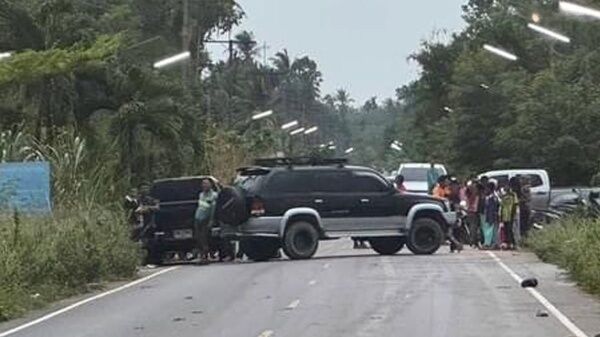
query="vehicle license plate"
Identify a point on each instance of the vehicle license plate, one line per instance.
(183, 234)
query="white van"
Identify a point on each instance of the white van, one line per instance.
(538, 179)
(415, 175)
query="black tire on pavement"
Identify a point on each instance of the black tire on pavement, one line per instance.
(389, 245)
(300, 241)
(425, 236)
(259, 249)
(231, 207)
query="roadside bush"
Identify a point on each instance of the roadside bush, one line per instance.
(44, 259)
(573, 244)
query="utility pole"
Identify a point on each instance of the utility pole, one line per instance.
(265, 47)
(185, 38)
(229, 42)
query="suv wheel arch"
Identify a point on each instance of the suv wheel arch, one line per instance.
(429, 211)
(301, 214)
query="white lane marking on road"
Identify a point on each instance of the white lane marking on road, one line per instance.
(266, 333)
(312, 282)
(326, 265)
(293, 305)
(82, 302)
(538, 296)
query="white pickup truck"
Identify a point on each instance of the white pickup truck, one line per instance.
(538, 179)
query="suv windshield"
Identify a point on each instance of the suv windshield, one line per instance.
(417, 173)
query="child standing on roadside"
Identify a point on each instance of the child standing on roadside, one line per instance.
(509, 203)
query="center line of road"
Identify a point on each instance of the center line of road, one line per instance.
(312, 282)
(82, 302)
(538, 296)
(293, 305)
(266, 333)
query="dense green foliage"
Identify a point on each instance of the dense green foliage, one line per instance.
(573, 245)
(540, 111)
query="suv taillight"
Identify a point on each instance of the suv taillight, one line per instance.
(257, 208)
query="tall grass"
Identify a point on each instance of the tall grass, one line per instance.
(573, 244)
(84, 241)
(43, 259)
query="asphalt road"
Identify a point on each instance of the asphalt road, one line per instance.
(342, 292)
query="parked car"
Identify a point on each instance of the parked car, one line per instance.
(538, 179)
(415, 175)
(174, 230)
(292, 203)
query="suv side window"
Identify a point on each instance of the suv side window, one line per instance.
(365, 181)
(534, 180)
(290, 182)
(332, 181)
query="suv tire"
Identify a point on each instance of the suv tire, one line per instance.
(425, 236)
(231, 207)
(259, 249)
(387, 245)
(301, 240)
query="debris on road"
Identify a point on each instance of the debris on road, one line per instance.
(541, 313)
(529, 283)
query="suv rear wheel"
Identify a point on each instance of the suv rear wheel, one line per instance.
(259, 249)
(300, 241)
(425, 236)
(387, 245)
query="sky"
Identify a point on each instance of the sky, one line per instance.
(359, 45)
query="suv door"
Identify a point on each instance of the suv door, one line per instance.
(375, 209)
(333, 198)
(540, 192)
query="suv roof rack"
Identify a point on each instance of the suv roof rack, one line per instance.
(299, 161)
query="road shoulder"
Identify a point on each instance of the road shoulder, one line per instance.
(556, 286)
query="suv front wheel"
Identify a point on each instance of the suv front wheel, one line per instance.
(300, 241)
(425, 236)
(387, 245)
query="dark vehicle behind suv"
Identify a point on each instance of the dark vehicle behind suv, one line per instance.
(293, 203)
(174, 221)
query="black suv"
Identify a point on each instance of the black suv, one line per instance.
(292, 203)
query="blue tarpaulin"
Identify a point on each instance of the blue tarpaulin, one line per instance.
(25, 187)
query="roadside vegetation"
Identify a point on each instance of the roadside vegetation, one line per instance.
(572, 244)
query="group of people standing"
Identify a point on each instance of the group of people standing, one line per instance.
(493, 215)
(497, 215)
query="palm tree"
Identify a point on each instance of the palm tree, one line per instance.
(343, 100)
(246, 45)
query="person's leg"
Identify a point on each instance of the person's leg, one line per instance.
(201, 230)
(473, 228)
(524, 217)
(510, 238)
